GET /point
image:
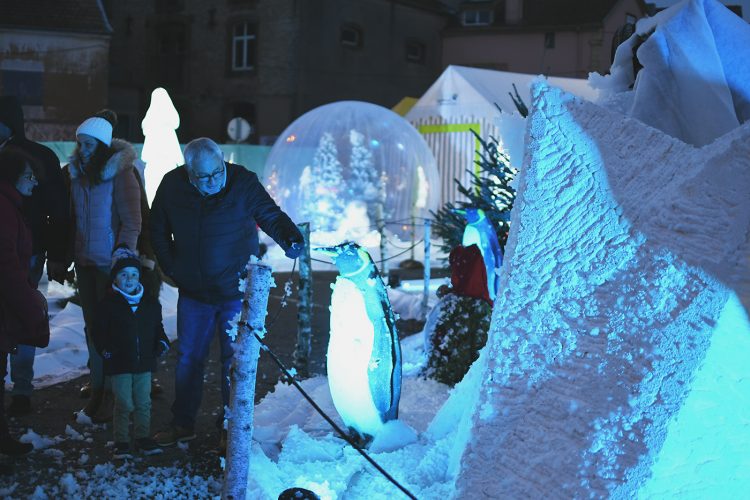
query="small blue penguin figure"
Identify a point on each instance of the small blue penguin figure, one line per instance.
(364, 354)
(479, 232)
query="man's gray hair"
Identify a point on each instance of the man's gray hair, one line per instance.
(200, 148)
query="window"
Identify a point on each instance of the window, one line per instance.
(244, 41)
(351, 36)
(477, 17)
(415, 51)
(28, 86)
(549, 40)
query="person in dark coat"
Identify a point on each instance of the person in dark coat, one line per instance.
(47, 210)
(21, 309)
(129, 335)
(203, 230)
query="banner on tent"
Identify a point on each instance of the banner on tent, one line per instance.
(456, 149)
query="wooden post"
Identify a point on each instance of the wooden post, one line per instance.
(242, 381)
(304, 308)
(427, 248)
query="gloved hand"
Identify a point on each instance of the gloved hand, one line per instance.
(294, 244)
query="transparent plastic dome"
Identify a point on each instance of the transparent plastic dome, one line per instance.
(344, 166)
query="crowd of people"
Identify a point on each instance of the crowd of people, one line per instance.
(92, 216)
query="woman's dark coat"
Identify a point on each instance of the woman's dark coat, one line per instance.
(17, 295)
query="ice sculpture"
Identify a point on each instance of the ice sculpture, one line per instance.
(161, 149)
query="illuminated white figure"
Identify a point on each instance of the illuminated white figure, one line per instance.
(161, 149)
(364, 354)
(479, 232)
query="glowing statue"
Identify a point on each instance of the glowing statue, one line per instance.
(479, 232)
(364, 354)
(161, 150)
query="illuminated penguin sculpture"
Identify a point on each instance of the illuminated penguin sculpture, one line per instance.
(479, 232)
(364, 354)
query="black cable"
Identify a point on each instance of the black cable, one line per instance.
(384, 260)
(329, 420)
(289, 376)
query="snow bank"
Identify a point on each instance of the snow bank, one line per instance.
(626, 247)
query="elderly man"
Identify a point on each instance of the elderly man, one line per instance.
(203, 230)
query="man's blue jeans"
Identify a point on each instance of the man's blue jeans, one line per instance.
(196, 324)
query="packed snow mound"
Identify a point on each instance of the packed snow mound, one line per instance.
(627, 251)
(695, 80)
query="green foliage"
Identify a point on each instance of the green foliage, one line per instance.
(460, 333)
(490, 190)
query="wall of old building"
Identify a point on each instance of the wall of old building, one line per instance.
(60, 78)
(299, 59)
(576, 51)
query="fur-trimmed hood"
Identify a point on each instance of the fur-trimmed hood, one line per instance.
(123, 158)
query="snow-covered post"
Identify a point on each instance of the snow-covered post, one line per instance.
(242, 381)
(427, 245)
(304, 309)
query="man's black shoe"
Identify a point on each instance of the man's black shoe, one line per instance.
(19, 406)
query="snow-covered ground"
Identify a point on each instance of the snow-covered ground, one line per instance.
(293, 446)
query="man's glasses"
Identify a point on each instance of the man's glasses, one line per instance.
(216, 176)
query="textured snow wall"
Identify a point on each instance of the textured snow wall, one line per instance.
(625, 284)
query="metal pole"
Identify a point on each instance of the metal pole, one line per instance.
(304, 308)
(427, 245)
(242, 381)
(380, 211)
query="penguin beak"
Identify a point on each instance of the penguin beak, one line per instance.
(327, 251)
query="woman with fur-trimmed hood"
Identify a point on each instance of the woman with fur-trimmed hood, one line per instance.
(106, 208)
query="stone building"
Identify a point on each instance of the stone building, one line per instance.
(268, 61)
(54, 57)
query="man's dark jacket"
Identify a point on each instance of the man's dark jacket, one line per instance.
(48, 208)
(130, 342)
(204, 242)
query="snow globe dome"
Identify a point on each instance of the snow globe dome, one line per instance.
(344, 166)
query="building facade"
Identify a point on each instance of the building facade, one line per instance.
(569, 38)
(54, 57)
(267, 61)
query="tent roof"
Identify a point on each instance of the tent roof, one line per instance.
(463, 91)
(404, 105)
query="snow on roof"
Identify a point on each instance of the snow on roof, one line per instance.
(464, 91)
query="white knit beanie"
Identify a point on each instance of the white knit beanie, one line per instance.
(98, 128)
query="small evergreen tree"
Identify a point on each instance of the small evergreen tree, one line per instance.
(363, 176)
(323, 204)
(460, 333)
(490, 190)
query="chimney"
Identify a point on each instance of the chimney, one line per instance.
(513, 11)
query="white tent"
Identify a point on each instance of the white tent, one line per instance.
(464, 99)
